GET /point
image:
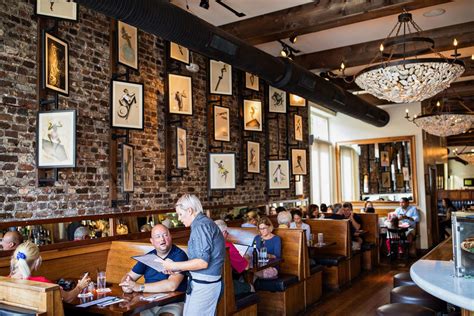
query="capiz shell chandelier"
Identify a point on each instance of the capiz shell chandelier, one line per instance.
(445, 124)
(467, 157)
(408, 79)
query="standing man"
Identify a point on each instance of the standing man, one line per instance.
(158, 281)
(206, 252)
(11, 240)
(408, 214)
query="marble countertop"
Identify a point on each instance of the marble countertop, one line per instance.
(437, 278)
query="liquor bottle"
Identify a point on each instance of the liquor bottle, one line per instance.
(255, 255)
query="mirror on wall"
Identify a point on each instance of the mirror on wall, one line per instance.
(381, 170)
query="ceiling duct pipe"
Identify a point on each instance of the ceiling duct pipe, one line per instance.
(163, 19)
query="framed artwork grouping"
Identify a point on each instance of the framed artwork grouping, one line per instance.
(127, 43)
(298, 162)
(56, 139)
(276, 100)
(179, 53)
(221, 124)
(253, 157)
(62, 9)
(181, 148)
(253, 116)
(127, 105)
(127, 168)
(251, 82)
(221, 171)
(180, 94)
(278, 174)
(55, 64)
(220, 77)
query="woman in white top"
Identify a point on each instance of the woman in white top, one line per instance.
(298, 223)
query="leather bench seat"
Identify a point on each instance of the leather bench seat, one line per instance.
(329, 260)
(401, 309)
(402, 278)
(246, 299)
(7, 310)
(367, 246)
(315, 268)
(279, 284)
(412, 294)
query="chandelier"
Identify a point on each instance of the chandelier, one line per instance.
(467, 156)
(398, 75)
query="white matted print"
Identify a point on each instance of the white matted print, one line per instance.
(180, 96)
(60, 9)
(220, 77)
(179, 53)
(384, 159)
(296, 100)
(127, 168)
(253, 115)
(56, 139)
(221, 171)
(298, 127)
(253, 157)
(298, 162)
(181, 149)
(127, 45)
(127, 104)
(221, 124)
(251, 82)
(276, 100)
(278, 174)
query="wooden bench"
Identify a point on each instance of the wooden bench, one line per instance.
(370, 248)
(335, 259)
(41, 298)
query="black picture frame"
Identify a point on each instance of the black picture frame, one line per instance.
(257, 157)
(132, 41)
(181, 147)
(215, 71)
(53, 146)
(55, 64)
(120, 113)
(128, 172)
(303, 165)
(45, 8)
(185, 56)
(185, 90)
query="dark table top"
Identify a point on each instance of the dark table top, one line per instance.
(324, 245)
(131, 305)
(263, 265)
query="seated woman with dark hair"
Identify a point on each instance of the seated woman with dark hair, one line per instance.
(313, 211)
(298, 223)
(323, 208)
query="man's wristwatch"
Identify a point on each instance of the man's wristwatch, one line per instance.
(141, 288)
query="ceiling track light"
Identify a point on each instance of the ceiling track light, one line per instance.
(204, 4)
(287, 51)
(293, 38)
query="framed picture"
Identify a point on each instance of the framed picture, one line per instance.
(181, 148)
(384, 159)
(298, 162)
(278, 174)
(56, 139)
(180, 94)
(127, 43)
(296, 100)
(220, 77)
(251, 82)
(253, 157)
(55, 64)
(127, 168)
(298, 127)
(62, 9)
(253, 116)
(468, 182)
(276, 100)
(127, 104)
(399, 180)
(221, 171)
(221, 124)
(386, 183)
(179, 53)
(406, 174)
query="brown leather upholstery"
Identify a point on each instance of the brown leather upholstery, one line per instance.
(412, 294)
(402, 278)
(401, 309)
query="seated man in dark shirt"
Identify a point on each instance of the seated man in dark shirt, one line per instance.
(157, 281)
(355, 224)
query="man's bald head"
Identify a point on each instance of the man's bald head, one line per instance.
(161, 239)
(11, 240)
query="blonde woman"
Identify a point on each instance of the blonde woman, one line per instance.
(27, 259)
(251, 219)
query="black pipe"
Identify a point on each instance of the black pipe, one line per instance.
(161, 18)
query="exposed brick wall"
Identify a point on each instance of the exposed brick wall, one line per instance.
(85, 189)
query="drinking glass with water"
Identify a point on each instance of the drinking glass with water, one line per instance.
(101, 281)
(263, 254)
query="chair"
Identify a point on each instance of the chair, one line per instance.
(397, 240)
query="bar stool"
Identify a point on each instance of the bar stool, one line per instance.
(412, 294)
(402, 309)
(402, 278)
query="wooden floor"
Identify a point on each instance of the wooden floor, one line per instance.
(367, 292)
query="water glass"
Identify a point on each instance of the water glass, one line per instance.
(320, 238)
(101, 281)
(263, 254)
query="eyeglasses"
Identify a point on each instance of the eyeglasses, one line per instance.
(263, 228)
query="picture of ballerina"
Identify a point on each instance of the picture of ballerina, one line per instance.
(298, 162)
(253, 157)
(127, 104)
(221, 124)
(278, 174)
(56, 138)
(180, 94)
(222, 171)
(127, 45)
(220, 78)
(56, 64)
(179, 53)
(252, 115)
(127, 168)
(251, 82)
(277, 100)
(298, 119)
(181, 148)
(61, 9)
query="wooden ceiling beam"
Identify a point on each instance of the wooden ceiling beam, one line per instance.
(364, 53)
(318, 16)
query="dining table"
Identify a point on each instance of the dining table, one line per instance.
(130, 304)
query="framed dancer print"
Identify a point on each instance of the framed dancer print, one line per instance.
(251, 82)
(181, 148)
(127, 43)
(296, 100)
(278, 174)
(253, 157)
(180, 94)
(55, 64)
(179, 53)
(253, 116)
(59, 9)
(276, 100)
(220, 77)
(127, 168)
(298, 124)
(127, 105)
(221, 124)
(298, 162)
(221, 171)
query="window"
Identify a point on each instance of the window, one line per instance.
(319, 126)
(350, 174)
(321, 172)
